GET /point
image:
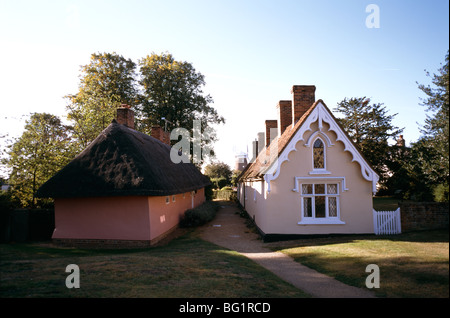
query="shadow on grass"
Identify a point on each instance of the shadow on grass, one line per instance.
(400, 277)
(185, 267)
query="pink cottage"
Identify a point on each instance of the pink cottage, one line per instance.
(122, 190)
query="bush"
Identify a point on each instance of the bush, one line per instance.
(199, 215)
(6, 201)
(226, 195)
(209, 192)
(220, 182)
(441, 193)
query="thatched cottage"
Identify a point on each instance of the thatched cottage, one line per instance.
(122, 190)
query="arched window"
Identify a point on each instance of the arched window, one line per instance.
(319, 154)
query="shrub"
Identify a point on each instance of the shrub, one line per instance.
(199, 215)
(209, 191)
(441, 193)
(7, 202)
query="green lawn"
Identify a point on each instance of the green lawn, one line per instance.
(411, 264)
(186, 267)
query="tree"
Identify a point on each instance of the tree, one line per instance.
(370, 127)
(174, 90)
(418, 170)
(108, 81)
(43, 149)
(436, 129)
(219, 173)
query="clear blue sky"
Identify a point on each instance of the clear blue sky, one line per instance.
(251, 53)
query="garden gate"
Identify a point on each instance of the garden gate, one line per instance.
(387, 222)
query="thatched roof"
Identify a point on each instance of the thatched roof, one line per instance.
(123, 162)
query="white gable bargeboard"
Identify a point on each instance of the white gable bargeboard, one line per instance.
(322, 115)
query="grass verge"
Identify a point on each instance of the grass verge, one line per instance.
(186, 267)
(412, 265)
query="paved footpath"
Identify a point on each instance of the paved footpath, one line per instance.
(229, 230)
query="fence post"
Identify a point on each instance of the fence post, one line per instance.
(399, 220)
(375, 222)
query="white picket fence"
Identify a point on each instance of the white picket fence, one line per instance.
(387, 222)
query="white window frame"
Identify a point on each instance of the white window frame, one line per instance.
(323, 220)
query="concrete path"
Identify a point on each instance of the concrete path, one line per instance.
(229, 230)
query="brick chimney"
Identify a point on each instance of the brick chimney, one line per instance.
(254, 150)
(400, 141)
(159, 133)
(303, 97)
(125, 116)
(260, 137)
(270, 124)
(284, 115)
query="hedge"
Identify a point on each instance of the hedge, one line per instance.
(199, 215)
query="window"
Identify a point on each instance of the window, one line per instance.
(167, 199)
(319, 160)
(173, 198)
(319, 154)
(320, 203)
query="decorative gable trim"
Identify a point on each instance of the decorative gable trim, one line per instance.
(321, 114)
(319, 133)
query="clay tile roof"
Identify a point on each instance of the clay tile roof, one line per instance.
(122, 162)
(265, 159)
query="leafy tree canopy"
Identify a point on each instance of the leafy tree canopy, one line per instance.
(42, 150)
(370, 127)
(105, 83)
(219, 173)
(436, 129)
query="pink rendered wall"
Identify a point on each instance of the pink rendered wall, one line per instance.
(165, 216)
(124, 218)
(121, 218)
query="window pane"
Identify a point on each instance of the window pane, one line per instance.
(306, 188)
(318, 154)
(320, 207)
(318, 143)
(319, 189)
(332, 206)
(307, 207)
(332, 188)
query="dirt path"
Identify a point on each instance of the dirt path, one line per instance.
(229, 230)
